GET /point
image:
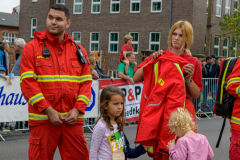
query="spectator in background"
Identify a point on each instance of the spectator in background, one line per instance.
(203, 66)
(3, 59)
(126, 48)
(213, 70)
(92, 61)
(6, 50)
(96, 70)
(18, 48)
(207, 59)
(121, 68)
(6, 77)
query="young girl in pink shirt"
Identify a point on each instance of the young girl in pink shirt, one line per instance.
(190, 145)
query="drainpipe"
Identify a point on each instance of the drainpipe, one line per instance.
(170, 16)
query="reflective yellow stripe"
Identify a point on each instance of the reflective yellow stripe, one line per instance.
(29, 74)
(235, 120)
(55, 78)
(36, 98)
(156, 72)
(83, 98)
(40, 117)
(238, 91)
(233, 80)
(223, 80)
(179, 69)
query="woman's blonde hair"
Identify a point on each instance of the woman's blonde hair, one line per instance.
(181, 119)
(127, 37)
(92, 61)
(187, 34)
(105, 97)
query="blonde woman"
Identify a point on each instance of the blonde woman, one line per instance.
(180, 40)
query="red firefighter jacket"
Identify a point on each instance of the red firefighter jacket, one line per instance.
(59, 80)
(163, 92)
(233, 88)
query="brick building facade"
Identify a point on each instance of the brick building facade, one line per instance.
(102, 24)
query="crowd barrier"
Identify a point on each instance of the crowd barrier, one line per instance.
(205, 103)
(14, 108)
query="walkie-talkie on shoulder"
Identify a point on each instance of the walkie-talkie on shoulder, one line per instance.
(45, 52)
(80, 55)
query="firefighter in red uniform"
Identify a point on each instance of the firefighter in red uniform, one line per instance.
(180, 39)
(58, 88)
(233, 88)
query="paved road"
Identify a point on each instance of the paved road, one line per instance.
(15, 146)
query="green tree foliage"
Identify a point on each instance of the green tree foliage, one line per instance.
(230, 27)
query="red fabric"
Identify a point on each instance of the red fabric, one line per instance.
(125, 48)
(234, 148)
(160, 100)
(63, 61)
(161, 156)
(197, 75)
(232, 89)
(69, 139)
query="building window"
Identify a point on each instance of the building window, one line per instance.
(156, 5)
(225, 47)
(234, 45)
(135, 39)
(113, 42)
(154, 43)
(33, 26)
(218, 8)
(227, 7)
(77, 7)
(9, 37)
(94, 41)
(60, 2)
(216, 46)
(76, 37)
(235, 5)
(135, 6)
(115, 6)
(96, 5)
(34, 0)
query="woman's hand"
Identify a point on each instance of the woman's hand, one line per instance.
(157, 54)
(171, 143)
(189, 69)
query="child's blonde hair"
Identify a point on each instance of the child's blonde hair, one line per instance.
(127, 37)
(105, 97)
(181, 119)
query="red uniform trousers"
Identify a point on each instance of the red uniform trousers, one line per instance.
(234, 149)
(70, 140)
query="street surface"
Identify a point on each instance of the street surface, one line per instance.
(16, 146)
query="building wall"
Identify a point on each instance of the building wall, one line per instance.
(124, 22)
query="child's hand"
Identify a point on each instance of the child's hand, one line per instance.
(171, 143)
(145, 147)
(135, 64)
(6, 77)
(10, 82)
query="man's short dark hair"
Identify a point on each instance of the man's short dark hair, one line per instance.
(61, 7)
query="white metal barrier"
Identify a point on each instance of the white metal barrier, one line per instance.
(204, 104)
